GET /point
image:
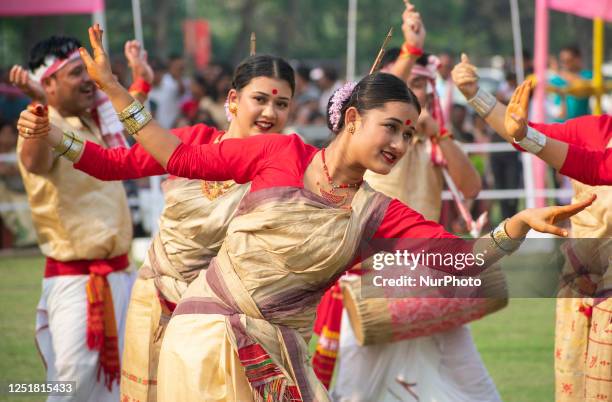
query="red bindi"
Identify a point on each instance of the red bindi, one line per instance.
(274, 91)
(408, 122)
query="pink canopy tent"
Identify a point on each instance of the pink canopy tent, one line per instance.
(56, 7)
(588, 9)
(24, 8)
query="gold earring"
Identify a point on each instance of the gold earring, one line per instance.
(233, 108)
(351, 129)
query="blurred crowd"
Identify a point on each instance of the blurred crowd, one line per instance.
(181, 98)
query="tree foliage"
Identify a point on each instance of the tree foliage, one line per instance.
(313, 30)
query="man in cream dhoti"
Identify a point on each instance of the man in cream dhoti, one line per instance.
(83, 227)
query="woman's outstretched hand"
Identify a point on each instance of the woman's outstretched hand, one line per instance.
(544, 219)
(515, 120)
(98, 67)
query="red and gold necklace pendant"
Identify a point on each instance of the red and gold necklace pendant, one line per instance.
(330, 196)
(215, 189)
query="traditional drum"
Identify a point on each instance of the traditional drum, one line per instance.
(382, 320)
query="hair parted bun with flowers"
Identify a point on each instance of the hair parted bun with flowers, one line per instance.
(338, 100)
(372, 92)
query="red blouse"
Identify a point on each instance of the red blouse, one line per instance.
(588, 158)
(275, 160)
(133, 163)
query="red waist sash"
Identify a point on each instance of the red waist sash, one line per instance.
(101, 324)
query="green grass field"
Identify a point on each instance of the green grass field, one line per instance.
(516, 344)
(19, 293)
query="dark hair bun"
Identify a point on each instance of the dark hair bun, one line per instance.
(261, 65)
(372, 92)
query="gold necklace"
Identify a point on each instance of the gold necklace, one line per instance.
(215, 189)
(331, 196)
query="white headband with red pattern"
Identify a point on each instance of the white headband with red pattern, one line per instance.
(52, 65)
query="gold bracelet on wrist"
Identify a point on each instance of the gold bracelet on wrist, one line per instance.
(70, 147)
(501, 239)
(137, 121)
(132, 109)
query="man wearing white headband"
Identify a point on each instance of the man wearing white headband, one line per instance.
(83, 227)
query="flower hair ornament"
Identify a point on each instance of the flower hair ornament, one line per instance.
(338, 99)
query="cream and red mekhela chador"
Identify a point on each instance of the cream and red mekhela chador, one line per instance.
(415, 181)
(418, 183)
(444, 366)
(84, 229)
(192, 227)
(583, 334)
(240, 331)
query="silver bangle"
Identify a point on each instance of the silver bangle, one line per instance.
(533, 142)
(483, 102)
(504, 242)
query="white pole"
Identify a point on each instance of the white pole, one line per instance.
(351, 40)
(528, 180)
(137, 22)
(157, 198)
(520, 77)
(191, 8)
(518, 41)
(99, 17)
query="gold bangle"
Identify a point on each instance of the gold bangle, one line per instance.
(501, 239)
(129, 111)
(75, 149)
(70, 146)
(64, 145)
(137, 121)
